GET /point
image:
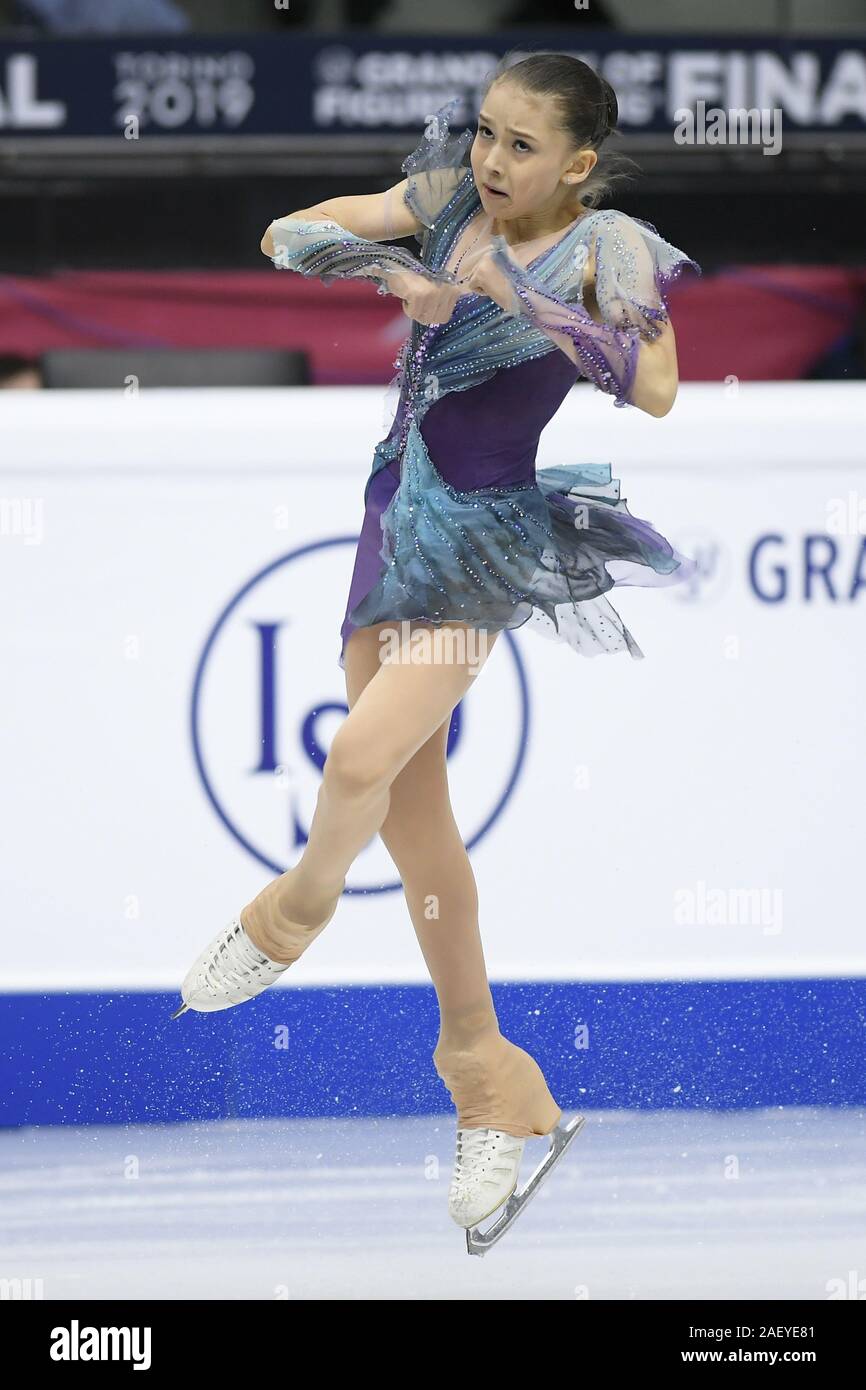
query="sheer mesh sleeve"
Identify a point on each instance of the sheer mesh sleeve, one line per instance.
(633, 269)
(435, 168)
(324, 248)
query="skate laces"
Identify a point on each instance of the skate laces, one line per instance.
(236, 961)
(481, 1155)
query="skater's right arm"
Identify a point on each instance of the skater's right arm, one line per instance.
(426, 295)
(374, 216)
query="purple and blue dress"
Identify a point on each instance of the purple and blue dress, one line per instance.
(459, 524)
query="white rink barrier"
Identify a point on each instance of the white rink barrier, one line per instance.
(175, 567)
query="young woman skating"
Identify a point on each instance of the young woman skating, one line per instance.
(523, 286)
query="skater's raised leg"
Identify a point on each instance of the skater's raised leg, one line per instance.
(392, 714)
(395, 713)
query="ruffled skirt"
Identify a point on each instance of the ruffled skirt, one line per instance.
(543, 553)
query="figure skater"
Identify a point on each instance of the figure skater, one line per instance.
(523, 285)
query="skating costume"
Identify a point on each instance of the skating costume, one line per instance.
(459, 525)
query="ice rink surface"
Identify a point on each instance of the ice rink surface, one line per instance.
(767, 1204)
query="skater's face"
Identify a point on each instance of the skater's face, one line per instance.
(520, 150)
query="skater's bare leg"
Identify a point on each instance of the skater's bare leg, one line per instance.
(493, 1083)
(392, 717)
(422, 837)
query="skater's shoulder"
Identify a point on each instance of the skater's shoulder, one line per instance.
(624, 241)
(435, 169)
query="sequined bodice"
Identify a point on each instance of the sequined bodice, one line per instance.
(488, 436)
(482, 386)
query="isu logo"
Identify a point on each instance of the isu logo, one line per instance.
(269, 695)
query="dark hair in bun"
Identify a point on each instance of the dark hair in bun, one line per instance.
(586, 110)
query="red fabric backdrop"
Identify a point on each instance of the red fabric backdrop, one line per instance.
(755, 322)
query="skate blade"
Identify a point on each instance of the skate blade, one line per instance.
(182, 1010)
(479, 1242)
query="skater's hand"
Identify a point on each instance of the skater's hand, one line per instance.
(424, 300)
(481, 275)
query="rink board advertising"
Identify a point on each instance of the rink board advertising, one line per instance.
(302, 86)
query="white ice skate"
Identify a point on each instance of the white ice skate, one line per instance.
(229, 971)
(485, 1176)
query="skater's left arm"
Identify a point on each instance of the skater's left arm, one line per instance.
(628, 351)
(656, 372)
